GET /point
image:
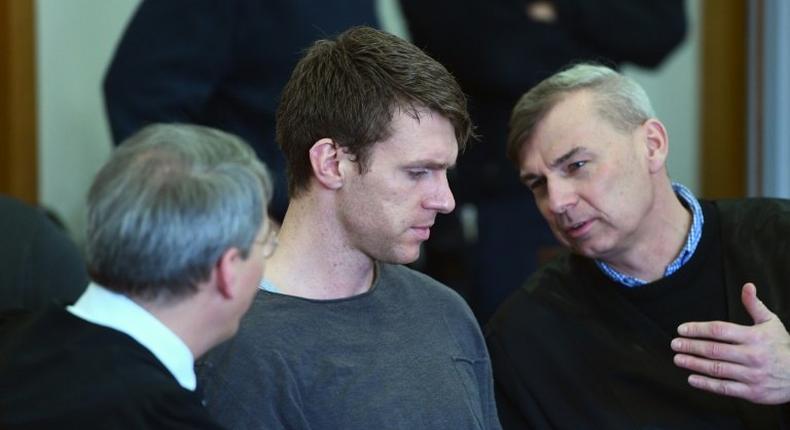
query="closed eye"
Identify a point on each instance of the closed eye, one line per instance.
(417, 173)
(536, 183)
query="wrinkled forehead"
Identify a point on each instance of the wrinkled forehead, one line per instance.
(572, 122)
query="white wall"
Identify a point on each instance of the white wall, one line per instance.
(75, 43)
(75, 40)
(673, 89)
(769, 99)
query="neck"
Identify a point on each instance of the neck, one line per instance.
(314, 259)
(179, 317)
(660, 239)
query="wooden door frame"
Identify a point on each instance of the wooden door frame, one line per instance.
(18, 123)
(723, 98)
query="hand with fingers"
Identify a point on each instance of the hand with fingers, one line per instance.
(749, 362)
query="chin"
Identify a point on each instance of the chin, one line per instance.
(598, 253)
(585, 251)
(402, 260)
(409, 260)
(232, 332)
(397, 257)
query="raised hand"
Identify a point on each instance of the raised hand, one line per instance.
(749, 362)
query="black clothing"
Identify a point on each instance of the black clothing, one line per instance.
(40, 264)
(573, 349)
(59, 371)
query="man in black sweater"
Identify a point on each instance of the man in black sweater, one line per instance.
(177, 237)
(652, 319)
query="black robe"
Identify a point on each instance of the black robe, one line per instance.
(572, 349)
(59, 371)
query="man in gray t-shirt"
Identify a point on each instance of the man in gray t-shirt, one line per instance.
(342, 336)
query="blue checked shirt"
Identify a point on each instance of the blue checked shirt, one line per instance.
(692, 240)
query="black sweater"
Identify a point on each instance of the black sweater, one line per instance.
(572, 349)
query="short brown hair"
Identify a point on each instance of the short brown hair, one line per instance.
(349, 88)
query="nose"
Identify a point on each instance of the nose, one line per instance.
(441, 198)
(560, 195)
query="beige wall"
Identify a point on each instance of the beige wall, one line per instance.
(674, 92)
(75, 41)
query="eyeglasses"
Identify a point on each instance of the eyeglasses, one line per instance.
(269, 243)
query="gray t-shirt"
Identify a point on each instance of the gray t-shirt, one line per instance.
(408, 354)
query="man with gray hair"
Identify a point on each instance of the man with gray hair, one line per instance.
(176, 240)
(652, 319)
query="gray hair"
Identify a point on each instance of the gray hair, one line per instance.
(166, 206)
(619, 99)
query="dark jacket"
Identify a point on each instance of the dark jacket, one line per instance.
(40, 263)
(59, 371)
(572, 349)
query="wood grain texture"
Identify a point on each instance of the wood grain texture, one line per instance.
(723, 98)
(18, 136)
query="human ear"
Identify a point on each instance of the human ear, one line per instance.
(325, 157)
(657, 144)
(226, 271)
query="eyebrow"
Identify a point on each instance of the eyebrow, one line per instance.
(429, 164)
(559, 160)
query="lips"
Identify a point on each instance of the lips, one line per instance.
(423, 232)
(579, 229)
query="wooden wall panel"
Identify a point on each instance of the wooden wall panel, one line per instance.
(18, 137)
(723, 98)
